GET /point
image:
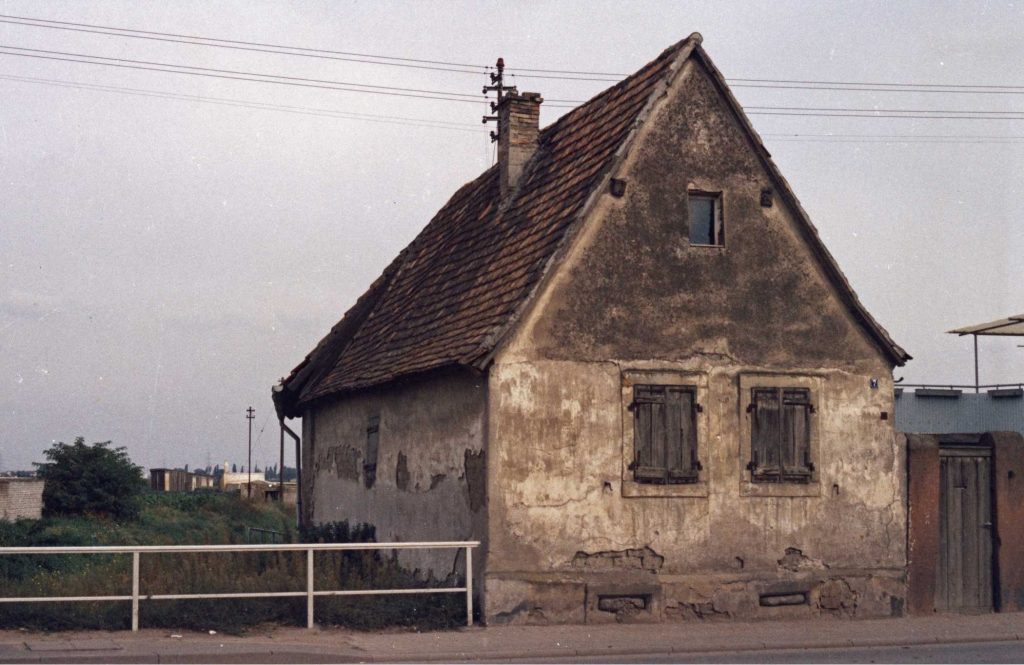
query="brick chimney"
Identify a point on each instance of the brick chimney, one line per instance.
(518, 127)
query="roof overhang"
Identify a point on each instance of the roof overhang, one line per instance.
(1011, 326)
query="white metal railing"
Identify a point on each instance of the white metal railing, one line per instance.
(310, 593)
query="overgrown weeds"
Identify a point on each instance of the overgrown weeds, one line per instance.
(209, 518)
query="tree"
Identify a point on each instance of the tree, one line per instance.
(90, 479)
(234, 468)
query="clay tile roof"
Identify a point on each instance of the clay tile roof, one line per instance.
(450, 295)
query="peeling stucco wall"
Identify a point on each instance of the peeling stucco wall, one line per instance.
(428, 483)
(632, 296)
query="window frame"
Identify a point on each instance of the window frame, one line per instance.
(796, 484)
(669, 378)
(718, 221)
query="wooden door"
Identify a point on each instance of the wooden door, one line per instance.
(965, 581)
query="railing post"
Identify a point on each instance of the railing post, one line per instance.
(309, 588)
(135, 592)
(469, 585)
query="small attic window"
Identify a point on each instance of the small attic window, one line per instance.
(706, 219)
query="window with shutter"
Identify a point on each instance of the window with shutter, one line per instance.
(372, 442)
(780, 435)
(665, 434)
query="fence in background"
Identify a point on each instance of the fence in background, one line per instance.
(254, 534)
(310, 592)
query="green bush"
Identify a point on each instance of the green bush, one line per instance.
(91, 479)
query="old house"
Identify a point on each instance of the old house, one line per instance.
(622, 359)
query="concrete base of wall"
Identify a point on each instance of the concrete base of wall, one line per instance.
(637, 598)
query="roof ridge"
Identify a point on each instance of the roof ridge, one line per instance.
(695, 37)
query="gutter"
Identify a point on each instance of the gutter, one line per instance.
(298, 470)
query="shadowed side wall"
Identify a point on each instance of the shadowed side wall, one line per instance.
(572, 538)
(429, 480)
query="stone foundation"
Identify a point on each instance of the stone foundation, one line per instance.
(631, 597)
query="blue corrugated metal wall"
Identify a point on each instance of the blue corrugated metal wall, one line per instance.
(968, 412)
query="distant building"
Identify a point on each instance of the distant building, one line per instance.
(239, 480)
(271, 491)
(21, 498)
(178, 480)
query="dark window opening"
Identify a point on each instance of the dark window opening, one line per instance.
(706, 219)
(780, 435)
(372, 442)
(665, 434)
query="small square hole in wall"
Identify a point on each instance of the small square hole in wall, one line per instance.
(706, 226)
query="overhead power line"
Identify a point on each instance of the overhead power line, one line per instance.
(881, 110)
(429, 123)
(897, 138)
(477, 69)
(887, 85)
(222, 101)
(150, 63)
(891, 116)
(858, 87)
(441, 95)
(1018, 137)
(258, 77)
(349, 56)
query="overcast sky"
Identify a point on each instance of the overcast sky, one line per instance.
(163, 261)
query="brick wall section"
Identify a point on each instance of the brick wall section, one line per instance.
(1008, 474)
(519, 128)
(21, 497)
(922, 521)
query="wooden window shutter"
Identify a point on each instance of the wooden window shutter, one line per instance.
(796, 434)
(681, 446)
(764, 432)
(780, 434)
(664, 434)
(648, 434)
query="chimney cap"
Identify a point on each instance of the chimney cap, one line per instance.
(534, 97)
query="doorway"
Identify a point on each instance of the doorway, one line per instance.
(964, 580)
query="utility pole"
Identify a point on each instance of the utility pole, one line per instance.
(250, 413)
(497, 85)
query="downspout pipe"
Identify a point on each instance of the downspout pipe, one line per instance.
(298, 470)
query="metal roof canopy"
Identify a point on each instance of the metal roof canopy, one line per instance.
(1012, 326)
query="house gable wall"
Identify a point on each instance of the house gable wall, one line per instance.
(631, 296)
(634, 288)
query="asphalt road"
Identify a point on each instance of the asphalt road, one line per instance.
(975, 652)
